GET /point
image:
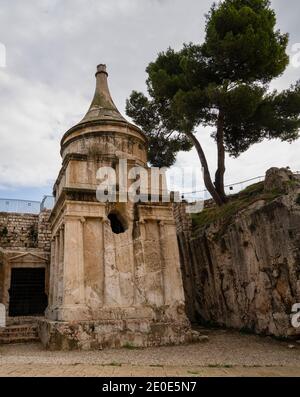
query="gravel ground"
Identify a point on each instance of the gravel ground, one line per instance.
(224, 349)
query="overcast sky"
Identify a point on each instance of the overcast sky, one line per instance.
(52, 49)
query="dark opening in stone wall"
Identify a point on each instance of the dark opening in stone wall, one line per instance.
(116, 223)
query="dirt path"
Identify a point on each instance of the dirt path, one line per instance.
(226, 353)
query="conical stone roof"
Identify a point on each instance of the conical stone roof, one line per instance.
(102, 107)
(102, 116)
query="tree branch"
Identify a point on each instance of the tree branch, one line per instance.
(206, 174)
(219, 176)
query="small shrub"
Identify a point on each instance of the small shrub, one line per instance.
(33, 234)
(4, 232)
(235, 204)
(129, 346)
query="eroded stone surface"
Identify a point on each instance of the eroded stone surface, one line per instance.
(280, 179)
(2, 316)
(246, 274)
(108, 288)
(115, 333)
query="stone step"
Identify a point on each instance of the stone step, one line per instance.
(19, 326)
(16, 330)
(15, 335)
(19, 333)
(18, 339)
(22, 320)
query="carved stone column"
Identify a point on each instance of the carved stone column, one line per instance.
(52, 278)
(173, 288)
(163, 260)
(60, 273)
(74, 262)
(55, 270)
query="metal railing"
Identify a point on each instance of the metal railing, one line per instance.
(20, 206)
(26, 206)
(231, 188)
(47, 203)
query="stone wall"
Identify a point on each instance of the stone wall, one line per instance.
(184, 234)
(24, 243)
(19, 231)
(44, 231)
(245, 273)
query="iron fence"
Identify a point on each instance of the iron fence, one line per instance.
(26, 206)
(47, 203)
(20, 206)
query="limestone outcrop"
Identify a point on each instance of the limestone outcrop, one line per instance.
(243, 270)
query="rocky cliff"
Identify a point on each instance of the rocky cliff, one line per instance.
(241, 262)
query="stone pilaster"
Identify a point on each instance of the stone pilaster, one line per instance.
(73, 299)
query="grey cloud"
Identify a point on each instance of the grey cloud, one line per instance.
(53, 48)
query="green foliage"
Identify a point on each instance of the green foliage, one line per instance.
(223, 83)
(130, 346)
(242, 43)
(163, 144)
(4, 232)
(237, 203)
(273, 116)
(33, 234)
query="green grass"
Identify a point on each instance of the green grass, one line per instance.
(114, 364)
(3, 232)
(292, 183)
(129, 346)
(236, 203)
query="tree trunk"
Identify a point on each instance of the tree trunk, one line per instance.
(206, 175)
(219, 176)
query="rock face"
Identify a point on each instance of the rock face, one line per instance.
(279, 178)
(245, 273)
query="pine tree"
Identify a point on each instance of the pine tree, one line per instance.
(224, 83)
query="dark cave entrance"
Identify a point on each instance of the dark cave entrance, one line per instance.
(117, 226)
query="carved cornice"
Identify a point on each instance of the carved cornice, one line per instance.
(83, 135)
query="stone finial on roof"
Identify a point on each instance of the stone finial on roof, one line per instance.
(102, 107)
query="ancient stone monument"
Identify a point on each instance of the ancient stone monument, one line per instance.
(115, 275)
